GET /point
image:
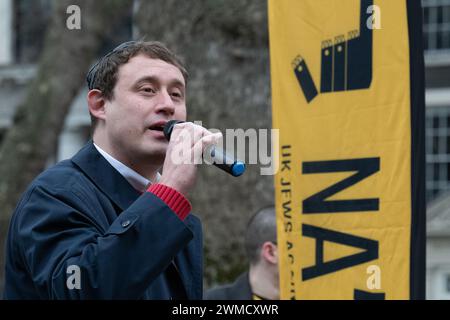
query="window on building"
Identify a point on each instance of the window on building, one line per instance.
(436, 24)
(31, 18)
(437, 151)
(447, 283)
(2, 134)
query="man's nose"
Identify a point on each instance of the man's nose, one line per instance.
(165, 103)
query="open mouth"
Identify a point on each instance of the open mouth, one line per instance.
(157, 127)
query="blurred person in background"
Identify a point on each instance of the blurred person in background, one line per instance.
(261, 281)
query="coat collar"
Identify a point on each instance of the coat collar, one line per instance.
(105, 177)
(241, 289)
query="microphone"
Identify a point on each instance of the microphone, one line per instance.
(220, 158)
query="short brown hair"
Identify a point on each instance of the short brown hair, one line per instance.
(262, 227)
(103, 74)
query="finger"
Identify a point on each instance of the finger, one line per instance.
(189, 131)
(198, 133)
(178, 129)
(205, 142)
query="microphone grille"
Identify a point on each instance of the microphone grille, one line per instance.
(168, 128)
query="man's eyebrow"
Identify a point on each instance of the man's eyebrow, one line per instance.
(145, 79)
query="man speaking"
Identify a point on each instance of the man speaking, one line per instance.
(105, 224)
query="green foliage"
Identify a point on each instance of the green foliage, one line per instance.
(224, 268)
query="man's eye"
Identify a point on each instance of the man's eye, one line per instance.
(176, 94)
(147, 89)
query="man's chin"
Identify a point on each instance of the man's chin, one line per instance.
(155, 153)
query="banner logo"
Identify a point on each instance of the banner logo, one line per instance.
(346, 63)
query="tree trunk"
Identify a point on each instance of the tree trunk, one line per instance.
(225, 46)
(38, 122)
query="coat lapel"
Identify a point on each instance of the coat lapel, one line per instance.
(105, 177)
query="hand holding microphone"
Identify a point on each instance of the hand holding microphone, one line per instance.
(219, 157)
(188, 144)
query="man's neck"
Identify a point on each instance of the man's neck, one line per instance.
(145, 167)
(263, 282)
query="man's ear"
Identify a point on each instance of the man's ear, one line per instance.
(269, 252)
(96, 103)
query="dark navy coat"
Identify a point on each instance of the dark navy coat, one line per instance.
(238, 290)
(127, 245)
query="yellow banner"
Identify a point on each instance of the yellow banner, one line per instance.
(340, 75)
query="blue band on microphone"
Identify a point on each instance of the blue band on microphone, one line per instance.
(238, 168)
